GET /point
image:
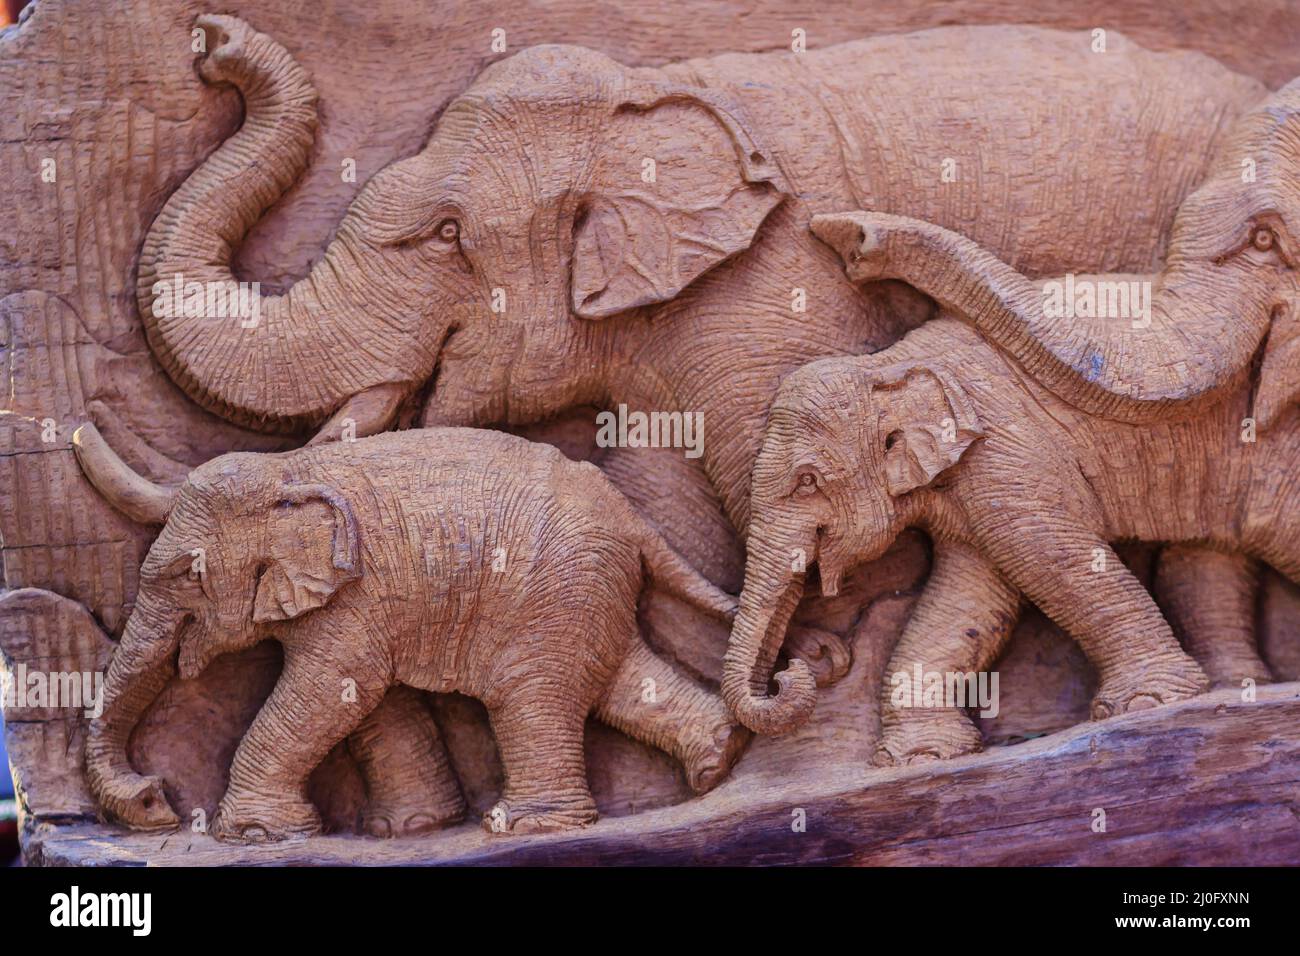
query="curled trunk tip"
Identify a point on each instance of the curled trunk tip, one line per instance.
(131, 799)
(1180, 361)
(781, 713)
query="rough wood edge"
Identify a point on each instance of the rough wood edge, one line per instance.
(1214, 779)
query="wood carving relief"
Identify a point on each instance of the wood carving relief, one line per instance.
(441, 559)
(624, 437)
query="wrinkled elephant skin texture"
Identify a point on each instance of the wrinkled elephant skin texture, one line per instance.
(441, 559)
(577, 232)
(1023, 494)
(523, 252)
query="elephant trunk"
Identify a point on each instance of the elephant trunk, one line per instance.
(772, 592)
(141, 666)
(1192, 347)
(274, 363)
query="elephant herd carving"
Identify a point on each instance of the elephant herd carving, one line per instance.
(523, 264)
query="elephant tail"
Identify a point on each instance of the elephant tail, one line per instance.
(675, 575)
(671, 572)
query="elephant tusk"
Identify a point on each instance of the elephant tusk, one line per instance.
(167, 470)
(134, 496)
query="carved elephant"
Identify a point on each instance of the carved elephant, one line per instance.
(1233, 269)
(1023, 494)
(442, 559)
(1230, 284)
(580, 232)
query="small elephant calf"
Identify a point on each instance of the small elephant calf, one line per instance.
(1023, 494)
(443, 559)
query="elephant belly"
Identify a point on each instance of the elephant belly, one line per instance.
(1176, 482)
(511, 608)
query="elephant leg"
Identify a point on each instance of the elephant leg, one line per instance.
(1209, 598)
(960, 625)
(316, 703)
(1107, 610)
(540, 739)
(651, 702)
(1273, 537)
(411, 786)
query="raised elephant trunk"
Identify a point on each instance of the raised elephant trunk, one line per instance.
(141, 666)
(1199, 345)
(279, 363)
(1224, 291)
(772, 592)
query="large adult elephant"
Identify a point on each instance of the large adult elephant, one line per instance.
(577, 232)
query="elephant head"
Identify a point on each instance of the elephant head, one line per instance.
(850, 446)
(241, 550)
(560, 189)
(1230, 283)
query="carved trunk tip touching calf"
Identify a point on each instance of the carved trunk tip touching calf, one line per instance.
(618, 290)
(1229, 285)
(1022, 491)
(442, 559)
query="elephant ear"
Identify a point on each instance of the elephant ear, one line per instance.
(928, 425)
(313, 550)
(1279, 373)
(680, 187)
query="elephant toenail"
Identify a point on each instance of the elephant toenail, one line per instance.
(420, 823)
(1102, 710)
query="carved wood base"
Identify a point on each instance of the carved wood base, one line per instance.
(1209, 781)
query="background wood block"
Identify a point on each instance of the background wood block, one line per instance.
(127, 128)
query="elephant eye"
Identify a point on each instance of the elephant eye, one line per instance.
(448, 230)
(806, 483)
(1263, 238)
(180, 566)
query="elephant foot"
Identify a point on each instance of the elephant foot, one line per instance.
(261, 819)
(827, 654)
(520, 816)
(708, 766)
(1231, 671)
(920, 736)
(1132, 688)
(144, 807)
(386, 820)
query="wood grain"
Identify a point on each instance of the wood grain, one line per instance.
(1208, 781)
(116, 101)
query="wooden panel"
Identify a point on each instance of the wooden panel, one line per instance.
(1209, 781)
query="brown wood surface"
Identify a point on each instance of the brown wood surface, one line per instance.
(116, 100)
(1208, 781)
